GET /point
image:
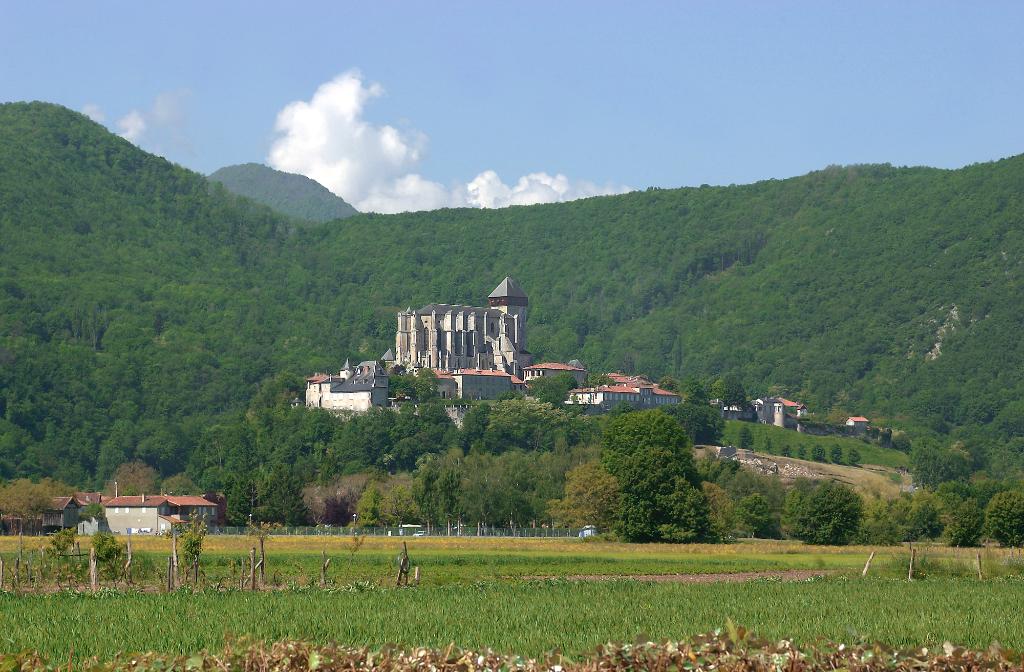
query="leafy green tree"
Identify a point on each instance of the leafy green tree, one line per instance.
(755, 517)
(745, 439)
(932, 465)
(853, 456)
(1004, 518)
(925, 518)
(649, 455)
(818, 453)
(729, 389)
(829, 514)
(591, 498)
(721, 509)
(136, 478)
(369, 507)
(835, 455)
(702, 422)
(965, 523)
(552, 390)
(191, 541)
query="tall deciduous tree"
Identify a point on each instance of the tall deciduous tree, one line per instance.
(649, 455)
(591, 498)
(1004, 518)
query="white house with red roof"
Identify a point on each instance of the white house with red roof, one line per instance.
(575, 368)
(857, 424)
(355, 389)
(638, 392)
(154, 514)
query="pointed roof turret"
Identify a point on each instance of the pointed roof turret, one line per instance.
(507, 293)
(347, 366)
(388, 356)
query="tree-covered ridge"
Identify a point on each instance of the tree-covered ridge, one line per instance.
(293, 195)
(139, 306)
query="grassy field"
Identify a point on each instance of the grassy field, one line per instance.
(507, 594)
(523, 617)
(780, 438)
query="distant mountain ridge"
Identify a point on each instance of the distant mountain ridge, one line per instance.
(294, 195)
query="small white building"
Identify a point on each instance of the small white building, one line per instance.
(358, 389)
(857, 424)
(606, 397)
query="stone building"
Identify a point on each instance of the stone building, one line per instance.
(574, 368)
(452, 337)
(357, 389)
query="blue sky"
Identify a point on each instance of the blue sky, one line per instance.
(481, 103)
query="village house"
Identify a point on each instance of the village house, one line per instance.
(486, 384)
(857, 425)
(574, 367)
(155, 514)
(63, 513)
(358, 389)
(636, 391)
(447, 388)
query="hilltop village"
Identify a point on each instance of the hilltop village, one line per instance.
(474, 353)
(477, 353)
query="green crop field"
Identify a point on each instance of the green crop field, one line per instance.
(513, 595)
(528, 618)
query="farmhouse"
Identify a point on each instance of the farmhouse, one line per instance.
(139, 514)
(63, 512)
(857, 424)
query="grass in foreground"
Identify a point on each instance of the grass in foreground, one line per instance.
(528, 618)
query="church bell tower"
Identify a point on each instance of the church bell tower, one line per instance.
(509, 298)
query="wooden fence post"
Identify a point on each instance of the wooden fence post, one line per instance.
(978, 557)
(93, 578)
(416, 575)
(263, 564)
(323, 569)
(910, 572)
(174, 556)
(867, 564)
(170, 574)
(252, 568)
(1, 573)
(128, 564)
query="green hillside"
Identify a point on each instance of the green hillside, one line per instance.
(773, 440)
(137, 304)
(293, 195)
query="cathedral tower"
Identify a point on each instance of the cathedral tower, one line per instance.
(509, 298)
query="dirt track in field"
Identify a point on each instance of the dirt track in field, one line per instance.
(734, 577)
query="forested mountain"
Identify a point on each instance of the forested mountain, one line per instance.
(293, 195)
(139, 306)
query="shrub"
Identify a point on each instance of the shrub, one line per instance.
(1004, 518)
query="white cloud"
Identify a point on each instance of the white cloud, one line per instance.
(373, 166)
(162, 127)
(93, 111)
(131, 126)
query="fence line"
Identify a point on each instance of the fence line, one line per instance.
(466, 531)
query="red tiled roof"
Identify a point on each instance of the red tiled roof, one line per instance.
(664, 393)
(174, 520)
(189, 500)
(554, 366)
(482, 372)
(136, 500)
(857, 419)
(516, 381)
(440, 373)
(83, 498)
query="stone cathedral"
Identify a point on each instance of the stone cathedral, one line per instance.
(453, 337)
